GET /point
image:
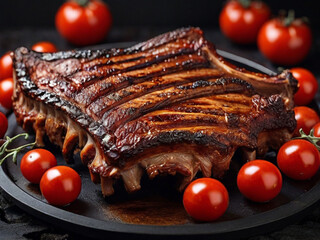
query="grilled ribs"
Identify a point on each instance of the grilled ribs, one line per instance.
(170, 105)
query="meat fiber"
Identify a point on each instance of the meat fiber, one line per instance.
(170, 105)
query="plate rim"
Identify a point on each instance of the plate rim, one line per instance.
(44, 210)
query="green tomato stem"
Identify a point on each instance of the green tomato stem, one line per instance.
(5, 152)
(311, 138)
(245, 3)
(82, 3)
(290, 18)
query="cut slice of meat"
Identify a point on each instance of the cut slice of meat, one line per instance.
(170, 105)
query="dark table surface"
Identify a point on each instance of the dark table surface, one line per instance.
(17, 224)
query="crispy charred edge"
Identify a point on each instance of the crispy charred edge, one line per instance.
(195, 33)
(30, 90)
(92, 54)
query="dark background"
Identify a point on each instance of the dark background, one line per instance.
(24, 22)
(173, 13)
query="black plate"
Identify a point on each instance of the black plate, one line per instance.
(157, 210)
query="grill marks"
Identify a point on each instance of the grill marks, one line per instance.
(142, 82)
(106, 102)
(116, 82)
(219, 120)
(156, 100)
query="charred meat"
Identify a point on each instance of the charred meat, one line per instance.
(170, 105)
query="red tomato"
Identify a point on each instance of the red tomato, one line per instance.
(306, 119)
(316, 129)
(35, 162)
(3, 125)
(285, 44)
(60, 185)
(83, 24)
(242, 23)
(308, 86)
(298, 159)
(206, 199)
(6, 91)
(44, 47)
(6, 66)
(259, 180)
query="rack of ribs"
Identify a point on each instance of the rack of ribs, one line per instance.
(170, 105)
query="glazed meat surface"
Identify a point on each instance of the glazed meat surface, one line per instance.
(170, 105)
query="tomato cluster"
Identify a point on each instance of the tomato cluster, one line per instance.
(60, 185)
(6, 72)
(283, 40)
(6, 81)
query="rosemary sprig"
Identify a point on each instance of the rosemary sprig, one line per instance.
(5, 152)
(311, 138)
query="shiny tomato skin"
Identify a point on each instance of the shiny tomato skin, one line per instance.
(6, 66)
(3, 125)
(259, 180)
(285, 45)
(206, 199)
(316, 130)
(83, 25)
(242, 24)
(6, 92)
(35, 163)
(60, 185)
(298, 159)
(45, 47)
(308, 86)
(306, 118)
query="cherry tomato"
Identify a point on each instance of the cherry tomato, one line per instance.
(206, 199)
(316, 130)
(83, 23)
(6, 91)
(284, 42)
(44, 47)
(241, 23)
(259, 180)
(308, 86)
(3, 125)
(298, 159)
(306, 119)
(6, 66)
(60, 185)
(34, 164)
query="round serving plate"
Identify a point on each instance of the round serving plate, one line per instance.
(157, 209)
